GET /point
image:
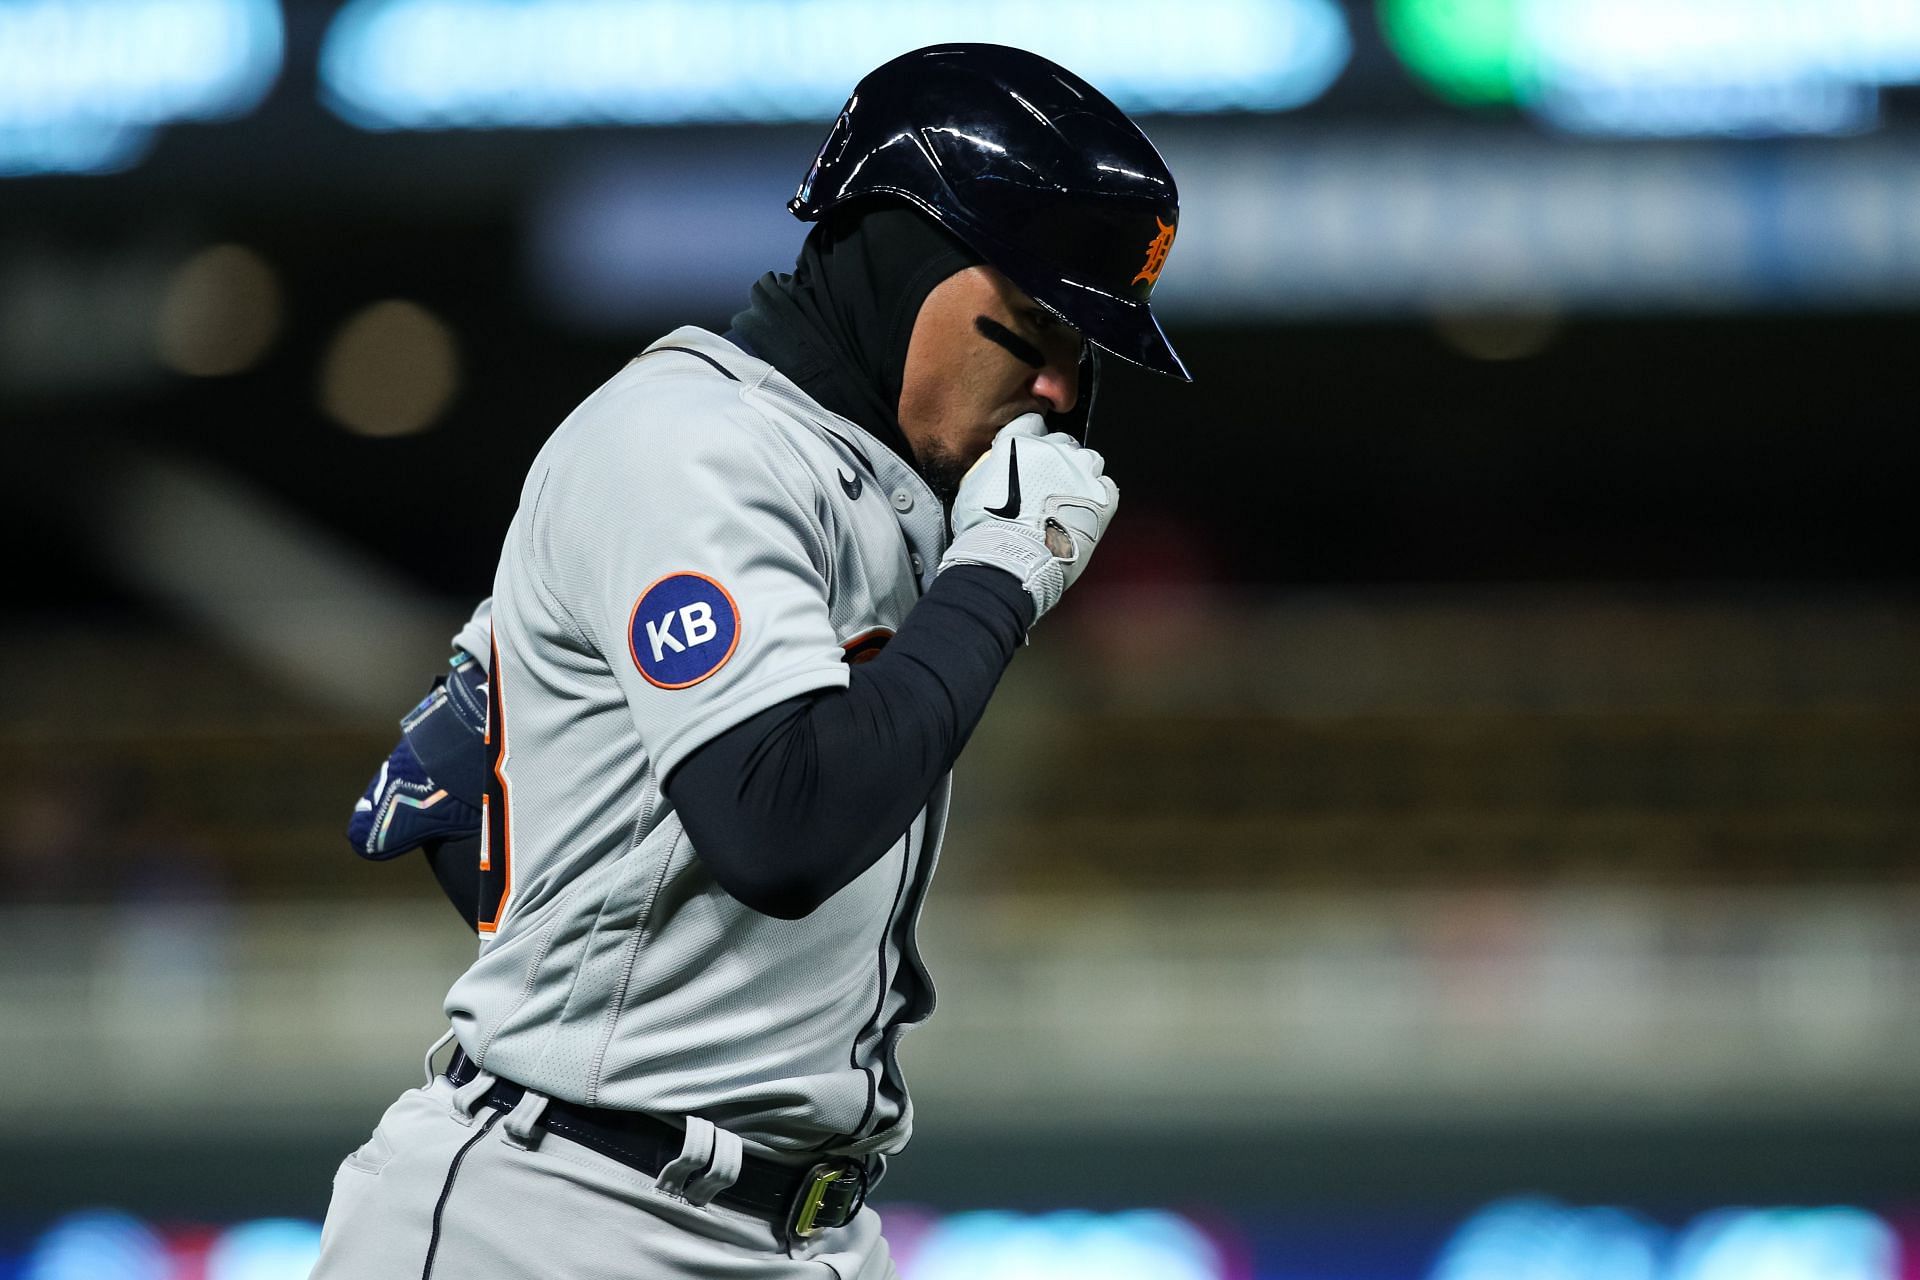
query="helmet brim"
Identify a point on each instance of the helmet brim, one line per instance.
(1124, 328)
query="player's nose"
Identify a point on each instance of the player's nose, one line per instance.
(1058, 383)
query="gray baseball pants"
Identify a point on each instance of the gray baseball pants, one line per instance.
(448, 1189)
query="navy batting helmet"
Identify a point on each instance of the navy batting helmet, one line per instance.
(1028, 165)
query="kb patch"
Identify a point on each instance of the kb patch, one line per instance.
(683, 629)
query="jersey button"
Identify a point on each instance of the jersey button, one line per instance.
(902, 501)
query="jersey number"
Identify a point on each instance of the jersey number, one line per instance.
(496, 832)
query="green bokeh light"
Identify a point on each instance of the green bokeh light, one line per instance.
(1467, 50)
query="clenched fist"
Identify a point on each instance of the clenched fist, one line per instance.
(1035, 505)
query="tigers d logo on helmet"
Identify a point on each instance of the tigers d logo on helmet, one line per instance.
(1156, 254)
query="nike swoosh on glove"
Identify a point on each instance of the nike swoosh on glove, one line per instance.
(1036, 505)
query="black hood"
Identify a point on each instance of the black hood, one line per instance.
(840, 324)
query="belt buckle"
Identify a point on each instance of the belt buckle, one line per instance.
(830, 1195)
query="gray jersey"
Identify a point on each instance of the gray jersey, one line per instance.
(697, 542)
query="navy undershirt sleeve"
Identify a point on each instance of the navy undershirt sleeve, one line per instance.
(788, 807)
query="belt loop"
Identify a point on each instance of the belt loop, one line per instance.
(729, 1153)
(520, 1122)
(469, 1095)
(699, 1152)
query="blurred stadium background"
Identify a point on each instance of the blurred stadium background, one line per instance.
(1464, 830)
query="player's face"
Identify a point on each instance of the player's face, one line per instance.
(982, 353)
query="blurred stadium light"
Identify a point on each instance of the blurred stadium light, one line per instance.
(1284, 223)
(269, 1249)
(1666, 67)
(84, 83)
(221, 312)
(1343, 222)
(1527, 1237)
(1144, 1245)
(93, 1244)
(1833, 1243)
(391, 369)
(440, 64)
(1540, 1239)
(1535, 1237)
(107, 1245)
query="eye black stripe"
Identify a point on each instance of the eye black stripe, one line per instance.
(1023, 351)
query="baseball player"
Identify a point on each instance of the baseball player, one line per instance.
(689, 773)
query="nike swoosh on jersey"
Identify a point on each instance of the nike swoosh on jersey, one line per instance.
(1012, 508)
(851, 448)
(849, 484)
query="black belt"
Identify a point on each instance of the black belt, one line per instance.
(798, 1201)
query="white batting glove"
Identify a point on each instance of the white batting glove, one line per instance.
(1036, 506)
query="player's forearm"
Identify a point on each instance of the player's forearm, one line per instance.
(456, 867)
(789, 807)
